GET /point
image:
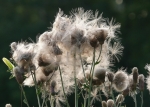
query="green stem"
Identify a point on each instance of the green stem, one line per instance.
(141, 98)
(99, 53)
(92, 70)
(44, 98)
(24, 95)
(82, 66)
(112, 94)
(134, 98)
(35, 82)
(74, 70)
(63, 86)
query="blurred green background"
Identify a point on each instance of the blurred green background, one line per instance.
(24, 19)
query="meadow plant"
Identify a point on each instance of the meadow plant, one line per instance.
(76, 56)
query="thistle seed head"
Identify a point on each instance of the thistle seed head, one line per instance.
(120, 81)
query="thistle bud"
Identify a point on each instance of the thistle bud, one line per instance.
(100, 74)
(126, 92)
(135, 74)
(93, 42)
(101, 35)
(8, 105)
(77, 37)
(42, 61)
(141, 82)
(104, 104)
(52, 87)
(119, 99)
(110, 76)
(50, 68)
(18, 74)
(110, 103)
(96, 82)
(56, 50)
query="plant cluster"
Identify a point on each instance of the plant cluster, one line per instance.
(76, 55)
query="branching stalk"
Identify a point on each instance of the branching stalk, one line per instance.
(24, 95)
(63, 86)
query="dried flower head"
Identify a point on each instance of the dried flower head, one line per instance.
(119, 99)
(19, 74)
(104, 104)
(100, 74)
(120, 81)
(110, 76)
(110, 103)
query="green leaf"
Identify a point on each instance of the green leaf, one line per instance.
(25, 101)
(11, 77)
(8, 63)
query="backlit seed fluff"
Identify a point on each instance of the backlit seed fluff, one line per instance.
(18, 74)
(141, 82)
(13, 46)
(8, 105)
(110, 103)
(119, 99)
(135, 74)
(120, 81)
(100, 74)
(104, 104)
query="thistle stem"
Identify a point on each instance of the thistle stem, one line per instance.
(141, 98)
(24, 95)
(63, 86)
(99, 53)
(74, 70)
(134, 98)
(35, 82)
(92, 70)
(112, 94)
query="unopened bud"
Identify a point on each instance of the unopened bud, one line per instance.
(93, 42)
(100, 74)
(119, 99)
(8, 105)
(18, 74)
(104, 104)
(141, 82)
(110, 103)
(126, 91)
(52, 87)
(135, 74)
(110, 76)
(101, 36)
